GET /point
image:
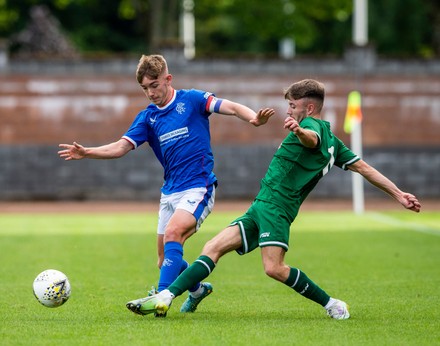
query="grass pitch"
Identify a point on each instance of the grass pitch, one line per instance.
(385, 265)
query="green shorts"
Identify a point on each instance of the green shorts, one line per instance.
(264, 224)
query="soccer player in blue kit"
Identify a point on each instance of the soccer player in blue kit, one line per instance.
(176, 126)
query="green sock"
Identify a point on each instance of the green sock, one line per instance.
(306, 287)
(196, 272)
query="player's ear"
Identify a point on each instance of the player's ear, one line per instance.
(310, 108)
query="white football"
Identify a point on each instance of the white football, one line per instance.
(52, 288)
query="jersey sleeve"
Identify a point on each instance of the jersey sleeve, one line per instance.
(312, 125)
(205, 102)
(344, 156)
(137, 134)
(213, 104)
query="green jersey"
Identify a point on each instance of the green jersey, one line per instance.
(295, 170)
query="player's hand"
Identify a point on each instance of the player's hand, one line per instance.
(73, 151)
(410, 202)
(262, 117)
(291, 124)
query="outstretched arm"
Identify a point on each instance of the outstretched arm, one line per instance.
(377, 179)
(245, 113)
(113, 150)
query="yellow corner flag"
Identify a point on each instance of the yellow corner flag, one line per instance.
(354, 114)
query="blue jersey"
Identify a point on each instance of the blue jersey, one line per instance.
(179, 135)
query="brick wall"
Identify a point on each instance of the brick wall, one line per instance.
(39, 110)
(398, 111)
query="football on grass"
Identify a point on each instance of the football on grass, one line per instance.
(52, 288)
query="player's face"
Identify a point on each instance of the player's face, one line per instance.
(297, 109)
(158, 90)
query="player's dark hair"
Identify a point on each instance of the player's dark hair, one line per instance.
(307, 88)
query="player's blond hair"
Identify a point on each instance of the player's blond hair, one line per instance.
(307, 88)
(151, 66)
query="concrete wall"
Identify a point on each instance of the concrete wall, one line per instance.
(35, 172)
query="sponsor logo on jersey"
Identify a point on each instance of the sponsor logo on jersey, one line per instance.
(172, 134)
(265, 235)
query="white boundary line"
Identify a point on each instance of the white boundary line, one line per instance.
(408, 225)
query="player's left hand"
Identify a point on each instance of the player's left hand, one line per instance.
(262, 117)
(410, 202)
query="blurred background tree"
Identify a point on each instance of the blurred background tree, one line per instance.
(236, 28)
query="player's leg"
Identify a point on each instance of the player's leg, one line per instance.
(180, 216)
(160, 250)
(190, 209)
(274, 266)
(227, 240)
(199, 202)
(274, 229)
(200, 210)
(196, 293)
(302, 284)
(165, 213)
(180, 227)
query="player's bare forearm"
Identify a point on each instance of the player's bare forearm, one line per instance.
(377, 179)
(76, 151)
(245, 113)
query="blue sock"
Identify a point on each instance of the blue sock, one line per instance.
(184, 266)
(172, 264)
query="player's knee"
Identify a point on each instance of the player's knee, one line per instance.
(273, 271)
(210, 247)
(171, 236)
(174, 233)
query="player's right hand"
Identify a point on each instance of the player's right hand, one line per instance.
(262, 116)
(73, 151)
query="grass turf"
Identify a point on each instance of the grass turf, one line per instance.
(385, 265)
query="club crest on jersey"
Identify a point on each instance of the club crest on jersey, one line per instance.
(180, 108)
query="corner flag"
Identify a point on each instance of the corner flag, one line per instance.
(354, 113)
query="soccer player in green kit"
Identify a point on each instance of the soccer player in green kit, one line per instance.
(303, 158)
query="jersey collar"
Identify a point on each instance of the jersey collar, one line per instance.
(171, 101)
